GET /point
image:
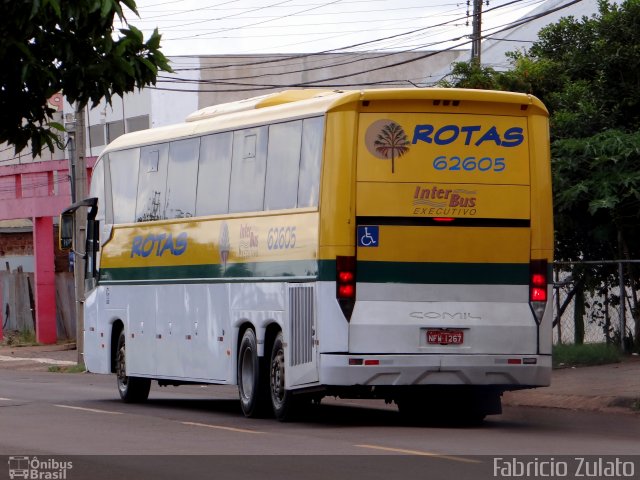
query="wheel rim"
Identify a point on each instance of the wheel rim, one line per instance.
(121, 369)
(247, 374)
(277, 377)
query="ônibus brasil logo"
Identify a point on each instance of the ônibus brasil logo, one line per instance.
(387, 140)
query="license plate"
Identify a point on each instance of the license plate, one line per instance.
(445, 337)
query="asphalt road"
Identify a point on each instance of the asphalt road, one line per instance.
(71, 415)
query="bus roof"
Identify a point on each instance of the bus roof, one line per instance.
(303, 103)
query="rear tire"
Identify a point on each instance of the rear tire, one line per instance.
(252, 384)
(131, 389)
(282, 400)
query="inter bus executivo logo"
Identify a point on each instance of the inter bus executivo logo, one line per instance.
(387, 140)
(36, 469)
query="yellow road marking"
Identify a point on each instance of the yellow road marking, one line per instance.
(421, 453)
(94, 410)
(220, 427)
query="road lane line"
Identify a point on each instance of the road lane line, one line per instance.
(220, 427)
(5, 399)
(421, 453)
(94, 410)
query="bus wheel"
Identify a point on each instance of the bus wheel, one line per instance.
(281, 399)
(251, 377)
(131, 389)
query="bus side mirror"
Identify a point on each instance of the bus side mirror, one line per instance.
(65, 239)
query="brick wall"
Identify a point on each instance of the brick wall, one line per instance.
(16, 243)
(21, 244)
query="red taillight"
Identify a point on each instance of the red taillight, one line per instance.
(538, 295)
(346, 291)
(345, 277)
(346, 270)
(538, 288)
(346, 284)
(538, 281)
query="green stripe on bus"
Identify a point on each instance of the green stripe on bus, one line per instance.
(299, 268)
(443, 273)
(325, 270)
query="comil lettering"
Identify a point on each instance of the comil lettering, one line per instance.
(468, 134)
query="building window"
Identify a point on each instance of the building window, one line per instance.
(96, 135)
(114, 130)
(135, 124)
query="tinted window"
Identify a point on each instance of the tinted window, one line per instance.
(312, 141)
(283, 163)
(97, 188)
(123, 169)
(214, 173)
(152, 183)
(248, 168)
(181, 179)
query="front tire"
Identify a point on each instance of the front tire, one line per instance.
(252, 385)
(131, 389)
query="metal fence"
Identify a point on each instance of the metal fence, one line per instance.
(588, 307)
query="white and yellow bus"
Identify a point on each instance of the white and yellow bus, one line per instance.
(390, 244)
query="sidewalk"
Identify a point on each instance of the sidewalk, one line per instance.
(611, 388)
(614, 387)
(37, 358)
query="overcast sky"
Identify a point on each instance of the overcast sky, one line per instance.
(213, 27)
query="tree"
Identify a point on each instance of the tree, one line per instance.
(48, 46)
(587, 72)
(391, 141)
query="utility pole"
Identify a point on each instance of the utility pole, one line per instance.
(476, 36)
(78, 172)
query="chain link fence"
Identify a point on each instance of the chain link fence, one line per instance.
(587, 304)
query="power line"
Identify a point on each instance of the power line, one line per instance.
(368, 43)
(226, 80)
(323, 81)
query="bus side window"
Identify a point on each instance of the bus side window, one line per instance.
(311, 156)
(183, 173)
(248, 168)
(123, 166)
(283, 165)
(214, 171)
(152, 183)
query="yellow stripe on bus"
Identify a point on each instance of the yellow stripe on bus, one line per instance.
(213, 241)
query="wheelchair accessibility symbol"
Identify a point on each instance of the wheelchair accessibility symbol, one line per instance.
(368, 236)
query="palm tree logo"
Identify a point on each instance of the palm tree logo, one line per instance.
(391, 142)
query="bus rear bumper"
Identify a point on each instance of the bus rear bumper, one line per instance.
(506, 371)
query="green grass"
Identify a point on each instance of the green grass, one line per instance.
(24, 338)
(586, 354)
(67, 369)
